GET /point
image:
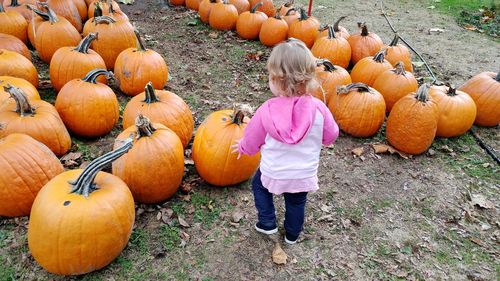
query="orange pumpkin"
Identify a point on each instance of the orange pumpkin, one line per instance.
(193, 4)
(154, 146)
(241, 5)
(274, 30)
(34, 23)
(15, 65)
(335, 49)
(329, 78)
(135, 67)
(29, 90)
(340, 31)
(88, 108)
(114, 37)
(412, 123)
(205, 9)
(68, 10)
(70, 63)
(397, 52)
(305, 29)
(87, 213)
(36, 118)
(27, 165)
(358, 109)
(364, 44)
(81, 6)
(13, 23)
(107, 8)
(162, 107)
(291, 16)
(283, 9)
(212, 155)
(267, 7)
(20, 7)
(484, 89)
(394, 84)
(11, 43)
(457, 111)
(223, 16)
(177, 2)
(368, 69)
(249, 23)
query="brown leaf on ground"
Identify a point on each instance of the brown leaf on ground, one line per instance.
(188, 161)
(279, 256)
(384, 148)
(358, 151)
(255, 56)
(187, 187)
(481, 201)
(236, 217)
(213, 35)
(71, 159)
(182, 222)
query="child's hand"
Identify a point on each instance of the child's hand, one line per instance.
(235, 148)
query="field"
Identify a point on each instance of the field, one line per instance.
(375, 217)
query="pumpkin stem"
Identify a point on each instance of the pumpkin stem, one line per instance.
(289, 3)
(52, 15)
(277, 15)
(290, 11)
(364, 28)
(336, 24)
(423, 93)
(360, 87)
(498, 77)
(14, 3)
(399, 68)
(144, 127)
(104, 19)
(84, 184)
(452, 91)
(328, 66)
(303, 14)
(150, 93)
(23, 107)
(141, 47)
(380, 56)
(111, 8)
(97, 9)
(394, 41)
(240, 112)
(39, 13)
(331, 32)
(93, 74)
(83, 46)
(254, 8)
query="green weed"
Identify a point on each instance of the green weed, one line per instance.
(169, 235)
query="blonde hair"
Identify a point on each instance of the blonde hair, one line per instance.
(292, 67)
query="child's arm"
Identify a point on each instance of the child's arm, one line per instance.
(330, 127)
(254, 136)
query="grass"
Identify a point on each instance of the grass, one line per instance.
(169, 236)
(206, 209)
(138, 240)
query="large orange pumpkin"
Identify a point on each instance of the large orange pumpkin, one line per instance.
(162, 107)
(12, 43)
(358, 109)
(205, 9)
(135, 67)
(368, 69)
(27, 165)
(412, 123)
(394, 84)
(29, 90)
(305, 29)
(397, 52)
(70, 63)
(274, 30)
(241, 5)
(340, 31)
(457, 111)
(154, 146)
(20, 7)
(364, 44)
(249, 23)
(13, 23)
(267, 7)
(88, 108)
(223, 16)
(329, 78)
(15, 65)
(35, 22)
(484, 89)
(68, 10)
(212, 155)
(87, 213)
(107, 7)
(333, 48)
(36, 118)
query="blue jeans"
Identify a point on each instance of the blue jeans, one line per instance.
(295, 204)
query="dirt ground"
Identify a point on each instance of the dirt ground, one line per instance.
(376, 217)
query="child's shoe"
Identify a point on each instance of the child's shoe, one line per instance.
(266, 230)
(291, 239)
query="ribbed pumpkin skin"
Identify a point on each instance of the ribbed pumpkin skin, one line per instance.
(90, 232)
(223, 16)
(305, 29)
(12, 43)
(20, 8)
(273, 31)
(50, 36)
(292, 16)
(114, 37)
(212, 153)
(26, 165)
(45, 125)
(359, 113)
(412, 124)
(457, 111)
(267, 7)
(81, 6)
(205, 8)
(335, 49)
(16, 65)
(241, 5)
(399, 53)
(171, 111)
(30, 91)
(104, 6)
(364, 44)
(328, 81)
(193, 4)
(394, 84)
(69, 11)
(13, 23)
(162, 150)
(32, 28)
(368, 69)
(484, 89)
(249, 24)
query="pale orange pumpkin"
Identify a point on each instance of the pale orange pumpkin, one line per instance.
(397, 52)
(364, 44)
(16, 65)
(333, 48)
(368, 69)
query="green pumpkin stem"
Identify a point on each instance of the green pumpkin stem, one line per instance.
(83, 46)
(422, 94)
(327, 65)
(394, 41)
(331, 32)
(380, 56)
(303, 14)
(399, 68)
(290, 11)
(336, 24)
(150, 94)
(104, 19)
(91, 77)
(144, 126)
(140, 43)
(255, 7)
(360, 87)
(84, 184)
(23, 106)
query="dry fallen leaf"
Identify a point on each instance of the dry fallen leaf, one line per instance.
(358, 151)
(182, 222)
(213, 35)
(384, 148)
(279, 256)
(236, 217)
(481, 201)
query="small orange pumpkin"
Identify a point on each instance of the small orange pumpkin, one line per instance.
(340, 31)
(267, 7)
(177, 2)
(283, 9)
(20, 7)
(12, 43)
(397, 52)
(13, 23)
(67, 10)
(369, 68)
(108, 7)
(364, 44)
(249, 23)
(193, 4)
(329, 77)
(29, 90)
(335, 49)
(205, 9)
(241, 5)
(15, 65)
(223, 16)
(305, 29)
(274, 30)
(291, 16)
(412, 123)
